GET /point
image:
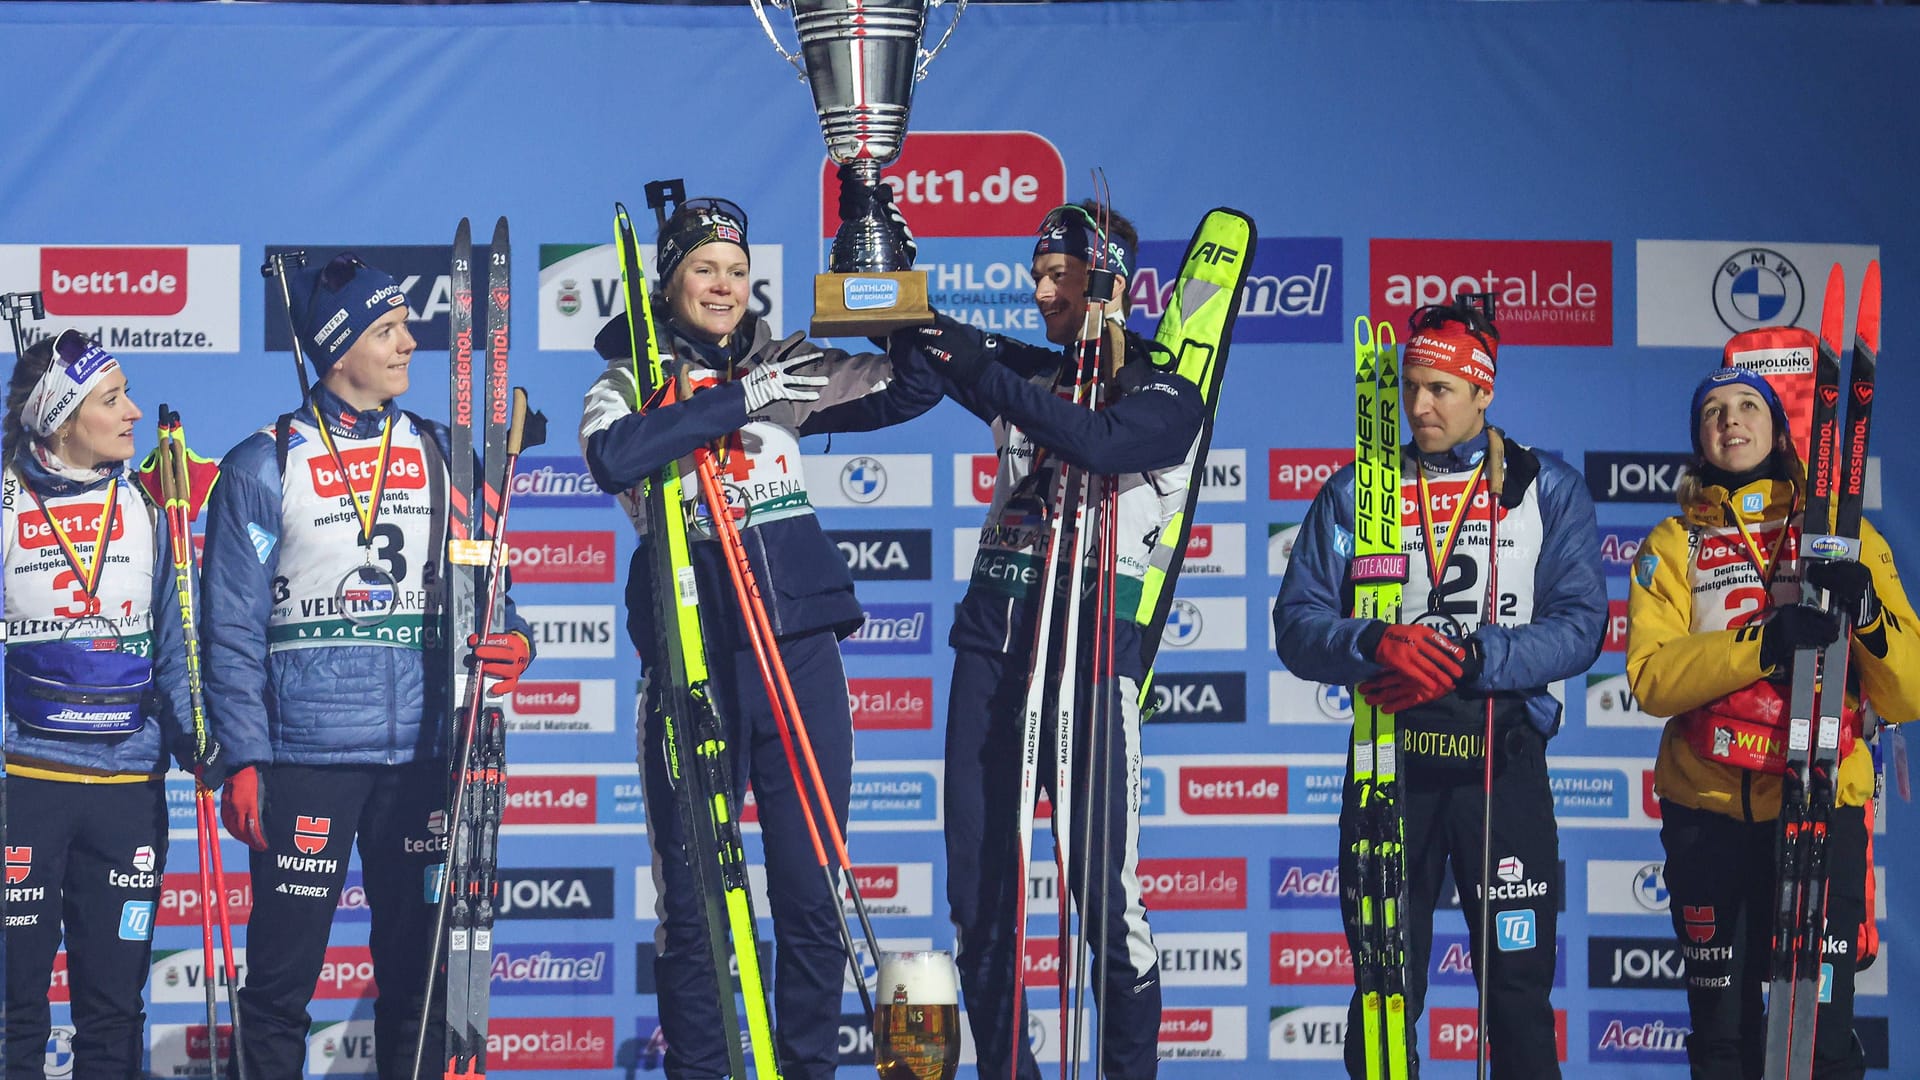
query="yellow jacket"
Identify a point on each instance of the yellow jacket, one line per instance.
(1692, 638)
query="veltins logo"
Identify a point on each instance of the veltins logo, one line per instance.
(1202, 959)
(133, 298)
(1292, 291)
(571, 631)
(891, 629)
(856, 480)
(1550, 292)
(580, 290)
(339, 1048)
(1611, 702)
(1306, 1032)
(965, 183)
(1700, 292)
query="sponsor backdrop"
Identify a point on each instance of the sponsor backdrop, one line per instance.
(1627, 236)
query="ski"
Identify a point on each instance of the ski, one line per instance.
(1836, 482)
(698, 756)
(1378, 571)
(1197, 329)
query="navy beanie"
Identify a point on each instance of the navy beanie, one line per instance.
(1735, 377)
(335, 303)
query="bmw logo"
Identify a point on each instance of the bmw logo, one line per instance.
(60, 1051)
(1183, 624)
(863, 479)
(1757, 287)
(1650, 887)
(1336, 702)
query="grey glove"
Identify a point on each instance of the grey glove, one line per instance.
(774, 381)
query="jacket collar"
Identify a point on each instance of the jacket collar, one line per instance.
(1765, 499)
(343, 420)
(1455, 459)
(47, 482)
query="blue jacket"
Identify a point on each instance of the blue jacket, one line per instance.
(799, 571)
(339, 705)
(1151, 426)
(1317, 640)
(167, 731)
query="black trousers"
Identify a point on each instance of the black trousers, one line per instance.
(1722, 874)
(1444, 816)
(311, 816)
(86, 859)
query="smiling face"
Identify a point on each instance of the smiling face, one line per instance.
(709, 291)
(100, 432)
(1736, 428)
(374, 370)
(1442, 410)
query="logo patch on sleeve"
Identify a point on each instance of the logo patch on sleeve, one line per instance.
(263, 542)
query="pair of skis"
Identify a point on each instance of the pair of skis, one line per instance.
(476, 549)
(699, 760)
(1378, 572)
(1836, 487)
(1195, 331)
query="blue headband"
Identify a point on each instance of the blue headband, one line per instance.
(1070, 230)
(334, 304)
(1735, 377)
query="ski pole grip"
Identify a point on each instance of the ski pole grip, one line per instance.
(1496, 463)
(517, 429)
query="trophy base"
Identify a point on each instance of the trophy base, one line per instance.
(869, 305)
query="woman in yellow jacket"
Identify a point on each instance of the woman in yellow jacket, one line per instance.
(1715, 617)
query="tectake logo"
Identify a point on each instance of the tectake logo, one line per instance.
(1299, 474)
(1292, 291)
(1233, 789)
(892, 629)
(1196, 884)
(1303, 882)
(1550, 292)
(539, 893)
(891, 704)
(556, 481)
(529, 1043)
(549, 800)
(547, 557)
(1321, 958)
(1200, 697)
(886, 554)
(1634, 476)
(965, 183)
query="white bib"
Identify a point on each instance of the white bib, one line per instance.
(1461, 592)
(44, 597)
(322, 548)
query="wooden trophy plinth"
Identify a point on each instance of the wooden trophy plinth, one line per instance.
(869, 304)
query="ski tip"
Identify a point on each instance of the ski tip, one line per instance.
(465, 228)
(1833, 315)
(500, 228)
(1866, 325)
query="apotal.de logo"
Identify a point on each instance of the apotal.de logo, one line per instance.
(1548, 292)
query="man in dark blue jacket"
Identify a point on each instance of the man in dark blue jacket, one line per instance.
(1142, 443)
(1438, 670)
(323, 561)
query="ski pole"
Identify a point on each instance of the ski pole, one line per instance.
(276, 267)
(1496, 478)
(786, 715)
(526, 429)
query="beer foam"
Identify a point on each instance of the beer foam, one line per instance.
(926, 978)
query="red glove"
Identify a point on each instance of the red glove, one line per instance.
(240, 801)
(1391, 691)
(1427, 659)
(502, 658)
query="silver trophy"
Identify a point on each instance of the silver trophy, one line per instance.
(862, 58)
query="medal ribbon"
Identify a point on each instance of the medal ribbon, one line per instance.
(1437, 553)
(1763, 564)
(89, 574)
(367, 509)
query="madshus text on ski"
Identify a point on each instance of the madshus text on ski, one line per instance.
(329, 662)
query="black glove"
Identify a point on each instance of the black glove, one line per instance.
(1850, 584)
(215, 766)
(1799, 626)
(1473, 663)
(857, 200)
(958, 350)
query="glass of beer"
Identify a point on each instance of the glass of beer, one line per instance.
(916, 1019)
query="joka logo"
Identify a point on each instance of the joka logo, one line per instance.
(863, 480)
(886, 554)
(1303, 883)
(421, 269)
(893, 628)
(1292, 292)
(1633, 476)
(310, 833)
(1550, 292)
(965, 183)
(556, 893)
(1698, 921)
(1299, 474)
(19, 864)
(1635, 963)
(95, 281)
(1515, 929)
(1184, 624)
(1200, 697)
